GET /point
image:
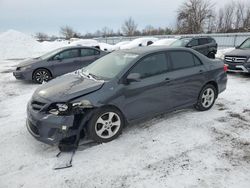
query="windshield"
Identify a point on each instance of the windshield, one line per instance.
(110, 65)
(49, 54)
(245, 44)
(181, 42)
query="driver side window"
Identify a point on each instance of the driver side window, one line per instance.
(151, 65)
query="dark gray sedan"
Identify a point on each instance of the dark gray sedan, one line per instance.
(123, 87)
(56, 63)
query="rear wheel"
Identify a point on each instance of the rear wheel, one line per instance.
(206, 98)
(211, 55)
(105, 125)
(42, 75)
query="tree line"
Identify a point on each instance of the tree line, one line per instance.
(193, 17)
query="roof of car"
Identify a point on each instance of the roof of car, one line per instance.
(78, 46)
(152, 49)
(195, 37)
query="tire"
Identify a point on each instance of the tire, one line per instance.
(41, 75)
(211, 55)
(105, 125)
(206, 98)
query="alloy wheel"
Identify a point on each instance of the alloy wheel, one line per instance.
(207, 97)
(107, 125)
(41, 76)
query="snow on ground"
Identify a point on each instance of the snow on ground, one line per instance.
(182, 149)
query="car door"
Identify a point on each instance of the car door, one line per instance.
(203, 46)
(186, 78)
(65, 61)
(147, 96)
(87, 56)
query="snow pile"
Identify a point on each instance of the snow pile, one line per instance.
(15, 45)
(220, 53)
(84, 42)
(138, 42)
(106, 47)
(164, 42)
(47, 46)
(118, 45)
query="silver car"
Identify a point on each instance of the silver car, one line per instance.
(56, 63)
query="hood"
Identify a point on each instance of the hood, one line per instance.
(67, 87)
(28, 62)
(239, 52)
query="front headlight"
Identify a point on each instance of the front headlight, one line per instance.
(24, 68)
(69, 108)
(59, 108)
(248, 61)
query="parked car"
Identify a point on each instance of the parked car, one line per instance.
(205, 45)
(123, 87)
(56, 63)
(238, 60)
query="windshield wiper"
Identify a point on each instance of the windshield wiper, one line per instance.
(94, 76)
(88, 75)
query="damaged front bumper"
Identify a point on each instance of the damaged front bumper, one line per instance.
(50, 128)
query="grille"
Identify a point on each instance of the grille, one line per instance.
(33, 129)
(232, 59)
(37, 106)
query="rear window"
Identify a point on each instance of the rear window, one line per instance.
(89, 52)
(181, 60)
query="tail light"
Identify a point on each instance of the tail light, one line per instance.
(225, 68)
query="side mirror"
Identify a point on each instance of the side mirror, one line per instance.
(133, 77)
(237, 47)
(189, 46)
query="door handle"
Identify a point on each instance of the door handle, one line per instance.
(167, 80)
(201, 71)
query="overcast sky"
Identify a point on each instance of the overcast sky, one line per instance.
(31, 16)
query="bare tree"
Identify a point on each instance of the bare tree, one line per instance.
(246, 22)
(68, 32)
(107, 32)
(234, 17)
(193, 16)
(41, 36)
(129, 27)
(240, 11)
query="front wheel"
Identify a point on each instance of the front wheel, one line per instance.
(206, 98)
(105, 125)
(42, 75)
